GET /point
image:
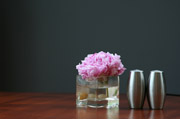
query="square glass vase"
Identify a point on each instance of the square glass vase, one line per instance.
(101, 92)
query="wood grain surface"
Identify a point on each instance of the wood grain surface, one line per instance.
(63, 106)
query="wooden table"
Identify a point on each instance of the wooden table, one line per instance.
(62, 106)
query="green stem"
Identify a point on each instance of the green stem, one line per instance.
(107, 92)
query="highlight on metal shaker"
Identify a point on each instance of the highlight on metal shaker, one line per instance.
(136, 89)
(156, 90)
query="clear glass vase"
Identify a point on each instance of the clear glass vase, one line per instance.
(97, 93)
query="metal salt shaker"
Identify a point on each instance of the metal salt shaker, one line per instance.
(136, 89)
(156, 90)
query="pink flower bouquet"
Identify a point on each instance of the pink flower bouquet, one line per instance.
(100, 64)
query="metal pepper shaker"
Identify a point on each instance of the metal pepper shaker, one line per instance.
(156, 90)
(136, 89)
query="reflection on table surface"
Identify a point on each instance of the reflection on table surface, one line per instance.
(146, 114)
(116, 113)
(93, 113)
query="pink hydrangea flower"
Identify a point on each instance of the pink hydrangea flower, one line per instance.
(100, 64)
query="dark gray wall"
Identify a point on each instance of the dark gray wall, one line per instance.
(43, 40)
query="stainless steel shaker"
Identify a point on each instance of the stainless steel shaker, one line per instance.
(136, 89)
(156, 90)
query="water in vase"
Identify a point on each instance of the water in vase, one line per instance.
(97, 94)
